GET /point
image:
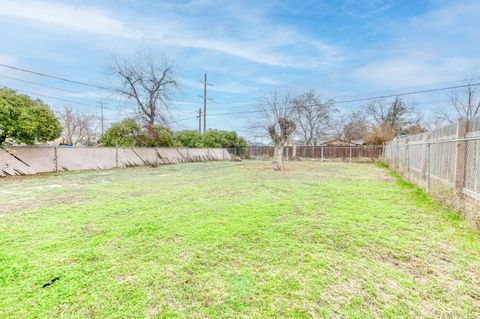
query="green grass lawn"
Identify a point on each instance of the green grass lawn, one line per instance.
(233, 240)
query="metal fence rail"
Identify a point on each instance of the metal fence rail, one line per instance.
(448, 157)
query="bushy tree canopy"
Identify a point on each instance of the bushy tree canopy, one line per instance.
(125, 133)
(211, 138)
(218, 138)
(158, 136)
(129, 133)
(24, 120)
(189, 138)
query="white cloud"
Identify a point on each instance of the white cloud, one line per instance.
(435, 47)
(455, 17)
(365, 8)
(285, 48)
(61, 15)
(235, 32)
(244, 51)
(408, 71)
(7, 59)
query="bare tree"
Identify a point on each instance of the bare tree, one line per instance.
(312, 116)
(395, 115)
(148, 84)
(78, 127)
(347, 127)
(463, 105)
(277, 120)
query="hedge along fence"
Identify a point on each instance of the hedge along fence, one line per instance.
(29, 160)
(445, 162)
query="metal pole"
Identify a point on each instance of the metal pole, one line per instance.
(350, 154)
(200, 120)
(205, 103)
(321, 153)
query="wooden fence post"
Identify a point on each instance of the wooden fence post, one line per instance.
(116, 156)
(423, 166)
(56, 158)
(429, 163)
(460, 156)
(407, 154)
(397, 156)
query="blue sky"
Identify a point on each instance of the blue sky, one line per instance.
(339, 48)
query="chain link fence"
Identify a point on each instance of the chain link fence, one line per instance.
(445, 162)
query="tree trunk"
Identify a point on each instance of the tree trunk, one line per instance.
(278, 157)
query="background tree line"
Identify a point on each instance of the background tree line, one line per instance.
(308, 119)
(378, 121)
(149, 85)
(24, 120)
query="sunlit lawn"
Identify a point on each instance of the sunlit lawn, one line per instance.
(227, 240)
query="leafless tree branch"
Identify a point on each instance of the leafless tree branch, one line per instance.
(148, 84)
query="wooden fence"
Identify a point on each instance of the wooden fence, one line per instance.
(28, 160)
(346, 153)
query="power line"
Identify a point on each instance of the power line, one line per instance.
(59, 78)
(399, 89)
(47, 96)
(185, 118)
(62, 79)
(362, 99)
(39, 84)
(204, 96)
(407, 93)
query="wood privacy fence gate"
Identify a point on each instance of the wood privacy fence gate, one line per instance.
(445, 158)
(346, 153)
(29, 160)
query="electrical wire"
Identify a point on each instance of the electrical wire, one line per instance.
(360, 99)
(59, 78)
(39, 84)
(47, 96)
(226, 113)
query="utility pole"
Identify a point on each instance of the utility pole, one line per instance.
(205, 83)
(102, 118)
(199, 116)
